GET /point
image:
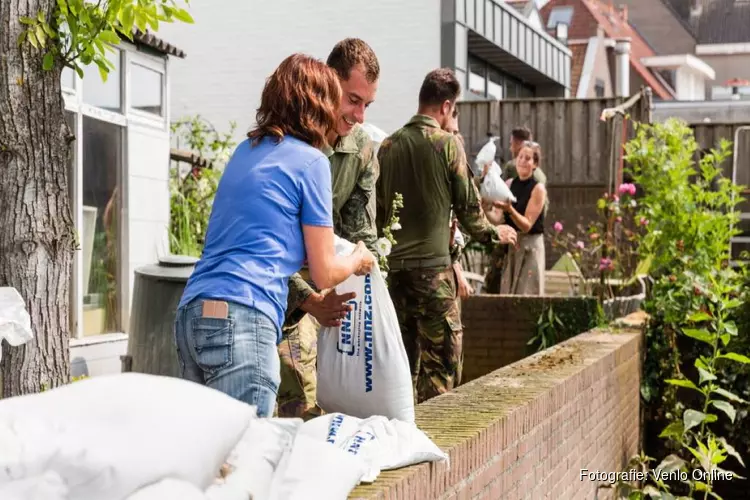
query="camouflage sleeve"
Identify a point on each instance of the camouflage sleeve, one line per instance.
(466, 199)
(359, 211)
(540, 176)
(509, 171)
(382, 212)
(299, 291)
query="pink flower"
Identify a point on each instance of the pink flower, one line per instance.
(580, 245)
(643, 221)
(616, 198)
(627, 188)
(558, 227)
(606, 264)
(619, 219)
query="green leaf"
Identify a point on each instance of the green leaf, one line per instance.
(726, 408)
(731, 328)
(729, 395)
(674, 430)
(183, 15)
(725, 339)
(705, 376)
(736, 357)
(730, 450)
(682, 383)
(63, 6)
(41, 36)
(670, 464)
(48, 61)
(733, 304)
(127, 19)
(109, 36)
(32, 39)
(699, 334)
(691, 418)
(699, 317)
(27, 21)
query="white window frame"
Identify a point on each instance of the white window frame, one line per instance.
(73, 102)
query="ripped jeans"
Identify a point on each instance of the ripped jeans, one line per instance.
(235, 355)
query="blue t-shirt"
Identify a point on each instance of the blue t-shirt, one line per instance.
(254, 239)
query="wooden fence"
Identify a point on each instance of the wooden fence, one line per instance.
(581, 154)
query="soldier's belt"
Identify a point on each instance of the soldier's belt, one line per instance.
(401, 264)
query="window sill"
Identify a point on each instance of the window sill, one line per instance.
(98, 339)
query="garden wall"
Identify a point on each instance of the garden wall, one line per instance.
(497, 328)
(527, 430)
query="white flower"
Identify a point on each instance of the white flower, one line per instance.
(383, 246)
(395, 226)
(633, 203)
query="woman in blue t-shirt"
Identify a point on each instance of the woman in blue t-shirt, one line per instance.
(272, 210)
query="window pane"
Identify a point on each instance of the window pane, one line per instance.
(68, 79)
(103, 94)
(559, 15)
(477, 77)
(495, 84)
(102, 167)
(70, 119)
(146, 89)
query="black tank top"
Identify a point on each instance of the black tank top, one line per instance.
(522, 191)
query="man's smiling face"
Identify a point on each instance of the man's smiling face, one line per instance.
(357, 95)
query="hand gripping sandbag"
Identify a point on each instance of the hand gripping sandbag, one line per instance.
(494, 187)
(363, 369)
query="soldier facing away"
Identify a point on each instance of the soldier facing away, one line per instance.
(428, 166)
(354, 171)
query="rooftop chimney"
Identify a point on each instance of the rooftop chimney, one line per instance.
(622, 67)
(624, 12)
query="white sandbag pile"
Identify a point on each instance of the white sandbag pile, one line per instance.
(143, 437)
(363, 369)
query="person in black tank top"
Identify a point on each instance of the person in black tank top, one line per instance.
(523, 268)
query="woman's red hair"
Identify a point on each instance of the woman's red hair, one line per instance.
(301, 99)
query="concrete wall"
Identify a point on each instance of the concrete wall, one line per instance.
(231, 51)
(528, 429)
(728, 67)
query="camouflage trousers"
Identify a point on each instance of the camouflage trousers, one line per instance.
(298, 355)
(428, 313)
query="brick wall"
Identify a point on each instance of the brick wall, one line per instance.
(527, 430)
(497, 328)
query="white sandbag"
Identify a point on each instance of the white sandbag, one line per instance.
(485, 155)
(494, 187)
(314, 469)
(169, 489)
(15, 323)
(254, 459)
(48, 486)
(111, 435)
(363, 369)
(383, 444)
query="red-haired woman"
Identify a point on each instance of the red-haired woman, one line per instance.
(272, 211)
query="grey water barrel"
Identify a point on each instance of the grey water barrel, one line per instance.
(157, 292)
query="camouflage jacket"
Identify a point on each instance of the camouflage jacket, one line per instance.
(428, 167)
(354, 172)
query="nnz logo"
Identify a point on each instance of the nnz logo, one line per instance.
(348, 329)
(359, 439)
(368, 333)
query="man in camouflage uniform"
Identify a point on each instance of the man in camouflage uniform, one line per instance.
(354, 171)
(428, 166)
(517, 138)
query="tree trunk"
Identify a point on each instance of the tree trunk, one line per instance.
(37, 237)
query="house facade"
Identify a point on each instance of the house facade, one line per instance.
(494, 49)
(594, 27)
(119, 191)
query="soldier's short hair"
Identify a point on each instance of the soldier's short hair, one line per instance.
(301, 99)
(351, 52)
(439, 85)
(521, 134)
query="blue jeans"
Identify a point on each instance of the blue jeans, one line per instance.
(237, 356)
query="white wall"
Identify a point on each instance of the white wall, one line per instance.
(690, 85)
(234, 45)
